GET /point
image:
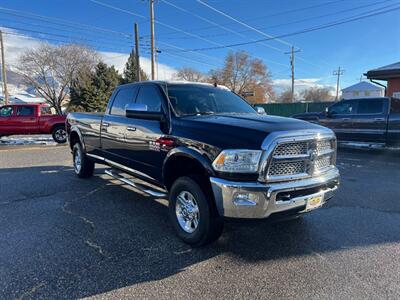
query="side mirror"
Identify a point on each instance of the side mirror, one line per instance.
(260, 110)
(327, 112)
(140, 111)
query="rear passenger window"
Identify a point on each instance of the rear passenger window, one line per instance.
(122, 99)
(395, 106)
(149, 96)
(25, 111)
(370, 106)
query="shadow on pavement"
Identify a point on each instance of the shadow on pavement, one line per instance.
(66, 237)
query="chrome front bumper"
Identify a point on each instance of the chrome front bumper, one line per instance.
(260, 200)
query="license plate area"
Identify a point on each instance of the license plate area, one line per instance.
(314, 202)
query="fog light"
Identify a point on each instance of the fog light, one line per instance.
(245, 199)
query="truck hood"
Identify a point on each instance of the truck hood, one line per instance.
(262, 123)
(246, 131)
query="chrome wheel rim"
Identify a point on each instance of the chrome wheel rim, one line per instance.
(77, 161)
(60, 135)
(187, 212)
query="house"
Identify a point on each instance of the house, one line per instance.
(390, 74)
(22, 98)
(363, 89)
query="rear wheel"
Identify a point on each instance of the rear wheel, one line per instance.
(59, 134)
(194, 218)
(83, 166)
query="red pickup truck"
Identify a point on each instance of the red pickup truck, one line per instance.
(32, 119)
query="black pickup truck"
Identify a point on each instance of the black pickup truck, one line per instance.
(372, 122)
(209, 152)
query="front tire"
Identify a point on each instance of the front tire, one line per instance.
(59, 134)
(83, 166)
(194, 218)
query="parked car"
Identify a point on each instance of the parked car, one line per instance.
(32, 119)
(209, 151)
(369, 121)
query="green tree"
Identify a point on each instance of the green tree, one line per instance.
(92, 90)
(131, 68)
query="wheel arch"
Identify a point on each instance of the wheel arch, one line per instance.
(75, 136)
(183, 161)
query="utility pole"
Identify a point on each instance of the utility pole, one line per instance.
(292, 52)
(3, 69)
(157, 53)
(339, 72)
(137, 57)
(152, 39)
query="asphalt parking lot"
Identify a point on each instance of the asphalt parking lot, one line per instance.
(64, 237)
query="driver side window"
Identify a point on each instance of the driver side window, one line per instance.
(343, 108)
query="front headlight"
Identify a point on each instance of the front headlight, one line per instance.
(237, 161)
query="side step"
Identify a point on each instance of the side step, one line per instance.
(140, 187)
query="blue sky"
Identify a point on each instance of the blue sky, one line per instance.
(356, 47)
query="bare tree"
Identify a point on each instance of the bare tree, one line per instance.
(285, 96)
(317, 94)
(51, 69)
(190, 74)
(242, 73)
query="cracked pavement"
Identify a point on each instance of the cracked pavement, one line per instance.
(62, 237)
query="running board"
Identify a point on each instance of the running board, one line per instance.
(136, 185)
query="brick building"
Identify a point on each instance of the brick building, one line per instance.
(390, 74)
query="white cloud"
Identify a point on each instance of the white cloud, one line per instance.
(301, 84)
(15, 45)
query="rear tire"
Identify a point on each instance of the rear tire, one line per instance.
(59, 134)
(194, 217)
(83, 165)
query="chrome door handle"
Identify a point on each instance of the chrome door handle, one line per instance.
(131, 128)
(345, 119)
(106, 124)
(379, 119)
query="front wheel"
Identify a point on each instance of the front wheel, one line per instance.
(194, 218)
(59, 134)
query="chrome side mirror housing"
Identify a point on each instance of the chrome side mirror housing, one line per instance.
(260, 110)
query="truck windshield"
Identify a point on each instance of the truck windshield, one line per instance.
(189, 100)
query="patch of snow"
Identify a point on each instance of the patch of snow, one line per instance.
(27, 140)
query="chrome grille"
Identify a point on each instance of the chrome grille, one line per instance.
(287, 168)
(291, 149)
(324, 146)
(322, 163)
(298, 159)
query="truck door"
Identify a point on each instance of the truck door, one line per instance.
(6, 113)
(339, 118)
(114, 124)
(370, 121)
(25, 120)
(144, 137)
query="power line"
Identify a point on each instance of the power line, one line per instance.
(58, 35)
(324, 26)
(214, 23)
(266, 16)
(244, 24)
(96, 35)
(59, 21)
(224, 28)
(157, 22)
(292, 22)
(63, 41)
